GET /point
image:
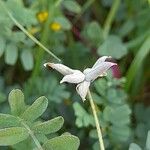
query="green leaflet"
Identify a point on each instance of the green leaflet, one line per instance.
(134, 146)
(121, 114)
(27, 59)
(16, 102)
(7, 120)
(84, 119)
(63, 142)
(121, 133)
(72, 6)
(10, 136)
(148, 141)
(36, 109)
(64, 22)
(113, 46)
(49, 126)
(11, 54)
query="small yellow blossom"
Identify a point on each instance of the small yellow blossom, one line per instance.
(55, 26)
(42, 16)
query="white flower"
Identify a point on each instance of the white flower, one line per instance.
(83, 79)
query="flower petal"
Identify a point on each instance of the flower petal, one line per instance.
(82, 89)
(76, 77)
(87, 70)
(100, 60)
(60, 68)
(99, 70)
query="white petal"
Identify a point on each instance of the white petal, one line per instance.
(60, 68)
(76, 77)
(98, 71)
(82, 89)
(100, 60)
(87, 70)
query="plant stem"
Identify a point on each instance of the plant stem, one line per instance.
(37, 143)
(101, 143)
(40, 53)
(110, 17)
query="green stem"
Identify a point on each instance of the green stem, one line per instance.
(101, 143)
(40, 53)
(27, 33)
(37, 143)
(110, 17)
(44, 39)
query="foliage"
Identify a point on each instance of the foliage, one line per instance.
(77, 32)
(111, 107)
(55, 93)
(22, 124)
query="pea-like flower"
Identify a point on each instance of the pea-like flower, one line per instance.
(83, 79)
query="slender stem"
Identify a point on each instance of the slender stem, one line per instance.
(101, 143)
(27, 33)
(37, 143)
(110, 17)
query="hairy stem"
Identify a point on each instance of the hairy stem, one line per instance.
(101, 143)
(110, 17)
(37, 143)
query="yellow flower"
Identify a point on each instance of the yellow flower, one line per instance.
(42, 16)
(55, 26)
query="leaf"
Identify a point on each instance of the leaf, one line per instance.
(2, 45)
(118, 116)
(25, 145)
(101, 86)
(148, 141)
(94, 32)
(98, 99)
(137, 62)
(126, 28)
(116, 96)
(27, 59)
(64, 22)
(72, 6)
(24, 15)
(10, 136)
(50, 126)
(16, 102)
(121, 133)
(134, 146)
(36, 109)
(18, 36)
(7, 120)
(83, 118)
(64, 142)
(11, 54)
(113, 46)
